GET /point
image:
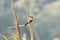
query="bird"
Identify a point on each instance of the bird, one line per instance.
(30, 19)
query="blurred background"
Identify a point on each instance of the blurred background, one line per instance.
(46, 22)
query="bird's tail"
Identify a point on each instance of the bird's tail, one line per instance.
(26, 24)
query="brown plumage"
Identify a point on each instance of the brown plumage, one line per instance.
(29, 20)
